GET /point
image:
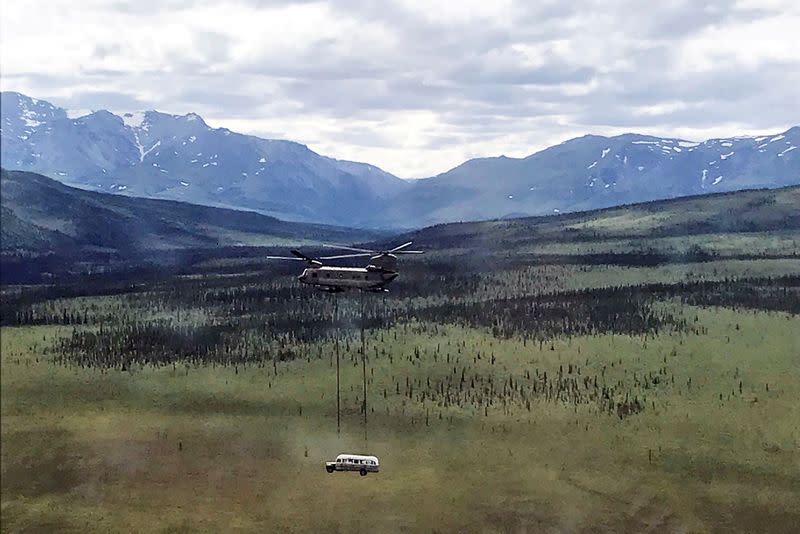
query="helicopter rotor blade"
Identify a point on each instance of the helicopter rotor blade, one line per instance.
(361, 255)
(355, 249)
(303, 257)
(400, 247)
(283, 258)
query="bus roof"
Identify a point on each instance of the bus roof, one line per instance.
(357, 457)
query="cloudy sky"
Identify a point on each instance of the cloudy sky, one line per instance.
(417, 86)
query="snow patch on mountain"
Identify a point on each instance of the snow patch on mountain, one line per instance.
(143, 153)
(133, 120)
(29, 117)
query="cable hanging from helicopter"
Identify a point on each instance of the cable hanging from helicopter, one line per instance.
(379, 271)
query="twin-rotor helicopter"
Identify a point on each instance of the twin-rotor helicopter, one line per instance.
(380, 271)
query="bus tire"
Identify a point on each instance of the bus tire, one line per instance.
(363, 472)
(329, 469)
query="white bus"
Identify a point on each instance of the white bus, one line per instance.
(354, 462)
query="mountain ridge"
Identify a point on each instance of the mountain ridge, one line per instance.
(179, 157)
(592, 171)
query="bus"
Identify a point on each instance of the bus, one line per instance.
(354, 462)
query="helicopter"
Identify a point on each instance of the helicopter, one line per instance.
(381, 269)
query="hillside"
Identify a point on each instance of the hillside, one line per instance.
(41, 215)
(765, 217)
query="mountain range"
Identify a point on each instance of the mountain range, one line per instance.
(152, 154)
(49, 229)
(179, 157)
(596, 172)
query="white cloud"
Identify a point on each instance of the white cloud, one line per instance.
(417, 86)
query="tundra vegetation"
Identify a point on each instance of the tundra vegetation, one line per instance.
(611, 379)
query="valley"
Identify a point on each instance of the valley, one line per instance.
(629, 369)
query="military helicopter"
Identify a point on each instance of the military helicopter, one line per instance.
(381, 269)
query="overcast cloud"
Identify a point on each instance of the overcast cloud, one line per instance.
(416, 86)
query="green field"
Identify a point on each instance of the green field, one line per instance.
(215, 448)
(505, 394)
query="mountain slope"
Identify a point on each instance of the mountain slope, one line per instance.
(41, 215)
(771, 211)
(158, 155)
(594, 172)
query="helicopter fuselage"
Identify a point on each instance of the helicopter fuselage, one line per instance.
(335, 279)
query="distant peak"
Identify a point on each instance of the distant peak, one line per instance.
(100, 115)
(104, 113)
(12, 94)
(23, 100)
(195, 118)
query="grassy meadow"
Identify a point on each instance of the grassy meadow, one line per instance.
(506, 393)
